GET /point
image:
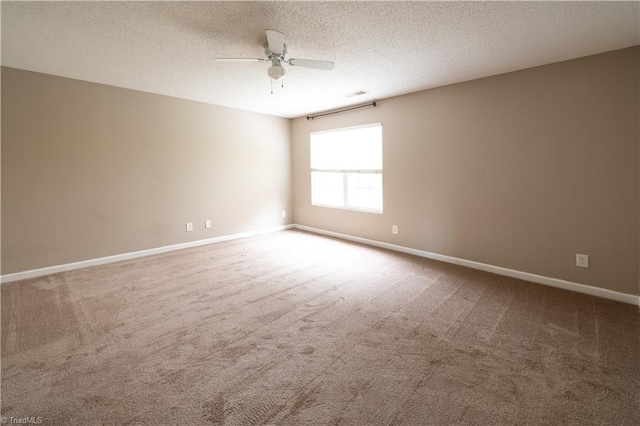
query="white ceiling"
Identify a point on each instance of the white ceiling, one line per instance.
(385, 48)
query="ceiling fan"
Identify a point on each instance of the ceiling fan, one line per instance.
(276, 52)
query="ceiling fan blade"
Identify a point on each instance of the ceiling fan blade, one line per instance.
(312, 63)
(276, 41)
(239, 60)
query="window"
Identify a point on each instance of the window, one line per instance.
(346, 168)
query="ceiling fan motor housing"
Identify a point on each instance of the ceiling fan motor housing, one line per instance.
(272, 56)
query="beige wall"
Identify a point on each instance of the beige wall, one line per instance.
(90, 170)
(521, 170)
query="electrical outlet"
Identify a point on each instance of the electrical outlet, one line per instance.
(207, 224)
(284, 213)
(189, 226)
(394, 229)
(582, 260)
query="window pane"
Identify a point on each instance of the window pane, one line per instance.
(327, 188)
(355, 149)
(364, 191)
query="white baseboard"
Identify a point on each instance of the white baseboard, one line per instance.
(553, 282)
(34, 273)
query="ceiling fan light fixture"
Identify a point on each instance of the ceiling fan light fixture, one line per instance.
(276, 72)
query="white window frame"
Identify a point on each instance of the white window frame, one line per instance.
(345, 172)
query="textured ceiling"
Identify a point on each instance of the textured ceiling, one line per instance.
(385, 48)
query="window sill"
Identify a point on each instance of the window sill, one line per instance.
(354, 209)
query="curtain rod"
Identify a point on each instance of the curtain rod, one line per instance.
(338, 111)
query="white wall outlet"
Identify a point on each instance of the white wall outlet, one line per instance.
(284, 213)
(189, 226)
(582, 260)
(394, 229)
(207, 224)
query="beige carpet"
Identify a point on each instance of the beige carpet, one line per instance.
(292, 328)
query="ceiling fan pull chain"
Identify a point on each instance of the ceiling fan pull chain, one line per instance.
(271, 86)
